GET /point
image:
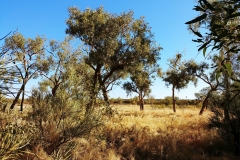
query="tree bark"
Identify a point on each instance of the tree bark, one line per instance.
(54, 89)
(141, 103)
(92, 92)
(22, 101)
(204, 105)
(17, 97)
(105, 95)
(173, 98)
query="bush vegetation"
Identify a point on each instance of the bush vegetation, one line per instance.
(70, 116)
(128, 134)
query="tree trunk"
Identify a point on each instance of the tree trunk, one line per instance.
(173, 98)
(4, 107)
(92, 99)
(17, 97)
(204, 105)
(55, 87)
(105, 95)
(93, 93)
(23, 94)
(141, 103)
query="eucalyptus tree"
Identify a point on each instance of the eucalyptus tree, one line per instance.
(114, 45)
(220, 19)
(177, 76)
(28, 59)
(140, 83)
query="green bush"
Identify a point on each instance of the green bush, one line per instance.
(62, 118)
(226, 118)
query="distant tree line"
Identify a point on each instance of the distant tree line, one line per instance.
(165, 101)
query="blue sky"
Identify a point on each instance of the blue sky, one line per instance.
(47, 18)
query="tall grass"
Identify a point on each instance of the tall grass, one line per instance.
(155, 134)
(134, 135)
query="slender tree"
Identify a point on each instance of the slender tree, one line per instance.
(177, 76)
(140, 83)
(27, 57)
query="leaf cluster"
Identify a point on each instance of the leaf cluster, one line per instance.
(177, 75)
(221, 19)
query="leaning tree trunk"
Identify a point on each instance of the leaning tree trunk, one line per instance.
(105, 95)
(204, 105)
(22, 101)
(173, 98)
(17, 97)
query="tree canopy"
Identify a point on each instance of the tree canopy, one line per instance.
(113, 44)
(140, 83)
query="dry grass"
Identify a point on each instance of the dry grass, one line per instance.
(152, 134)
(155, 134)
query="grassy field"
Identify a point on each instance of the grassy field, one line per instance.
(154, 134)
(151, 134)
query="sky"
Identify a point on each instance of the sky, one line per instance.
(166, 18)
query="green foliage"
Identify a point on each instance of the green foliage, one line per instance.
(177, 76)
(168, 100)
(151, 100)
(63, 62)
(114, 45)
(141, 80)
(140, 84)
(60, 103)
(7, 76)
(62, 117)
(134, 100)
(226, 119)
(27, 56)
(221, 19)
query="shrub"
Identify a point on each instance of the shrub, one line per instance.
(62, 118)
(226, 118)
(15, 136)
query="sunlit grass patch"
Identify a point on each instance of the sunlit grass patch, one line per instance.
(149, 134)
(162, 134)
